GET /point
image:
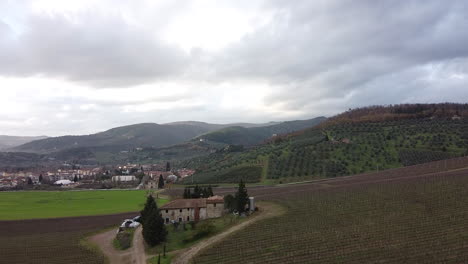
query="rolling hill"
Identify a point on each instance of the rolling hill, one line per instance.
(147, 143)
(238, 135)
(357, 141)
(121, 138)
(144, 135)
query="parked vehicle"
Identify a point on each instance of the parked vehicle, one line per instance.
(130, 223)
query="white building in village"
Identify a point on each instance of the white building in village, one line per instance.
(126, 178)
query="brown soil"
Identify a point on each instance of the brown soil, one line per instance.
(51, 241)
(267, 210)
(134, 255)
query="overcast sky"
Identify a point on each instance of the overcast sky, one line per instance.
(79, 67)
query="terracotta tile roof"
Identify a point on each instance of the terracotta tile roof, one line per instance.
(215, 199)
(185, 203)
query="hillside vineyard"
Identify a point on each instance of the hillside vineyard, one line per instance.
(417, 215)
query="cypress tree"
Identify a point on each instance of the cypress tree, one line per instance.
(196, 192)
(204, 193)
(189, 194)
(161, 182)
(229, 202)
(40, 178)
(210, 191)
(154, 231)
(149, 205)
(242, 197)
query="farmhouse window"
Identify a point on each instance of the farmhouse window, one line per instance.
(188, 218)
(180, 211)
(180, 219)
(188, 209)
(167, 211)
(215, 205)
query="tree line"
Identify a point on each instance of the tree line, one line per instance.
(198, 192)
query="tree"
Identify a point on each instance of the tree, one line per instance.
(149, 205)
(204, 193)
(40, 178)
(229, 202)
(187, 194)
(75, 179)
(140, 176)
(161, 182)
(154, 230)
(196, 192)
(241, 197)
(168, 166)
(210, 191)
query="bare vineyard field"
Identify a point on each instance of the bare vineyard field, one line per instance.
(411, 215)
(414, 214)
(52, 240)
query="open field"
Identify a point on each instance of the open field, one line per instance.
(415, 214)
(53, 240)
(34, 205)
(411, 215)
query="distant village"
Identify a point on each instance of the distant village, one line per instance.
(76, 176)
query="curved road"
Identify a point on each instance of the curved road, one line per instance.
(267, 210)
(136, 254)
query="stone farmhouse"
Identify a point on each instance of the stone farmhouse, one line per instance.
(188, 210)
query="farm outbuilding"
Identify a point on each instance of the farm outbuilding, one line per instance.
(187, 210)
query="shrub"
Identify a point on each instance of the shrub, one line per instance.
(123, 240)
(204, 229)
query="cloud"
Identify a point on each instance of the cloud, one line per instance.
(117, 63)
(99, 51)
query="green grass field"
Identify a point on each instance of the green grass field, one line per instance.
(35, 205)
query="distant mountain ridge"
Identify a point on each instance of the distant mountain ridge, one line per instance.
(221, 126)
(120, 138)
(7, 142)
(140, 136)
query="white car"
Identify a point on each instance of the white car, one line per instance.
(129, 223)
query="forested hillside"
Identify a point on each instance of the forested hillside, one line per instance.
(121, 138)
(348, 144)
(254, 135)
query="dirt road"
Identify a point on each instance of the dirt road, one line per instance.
(134, 255)
(267, 210)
